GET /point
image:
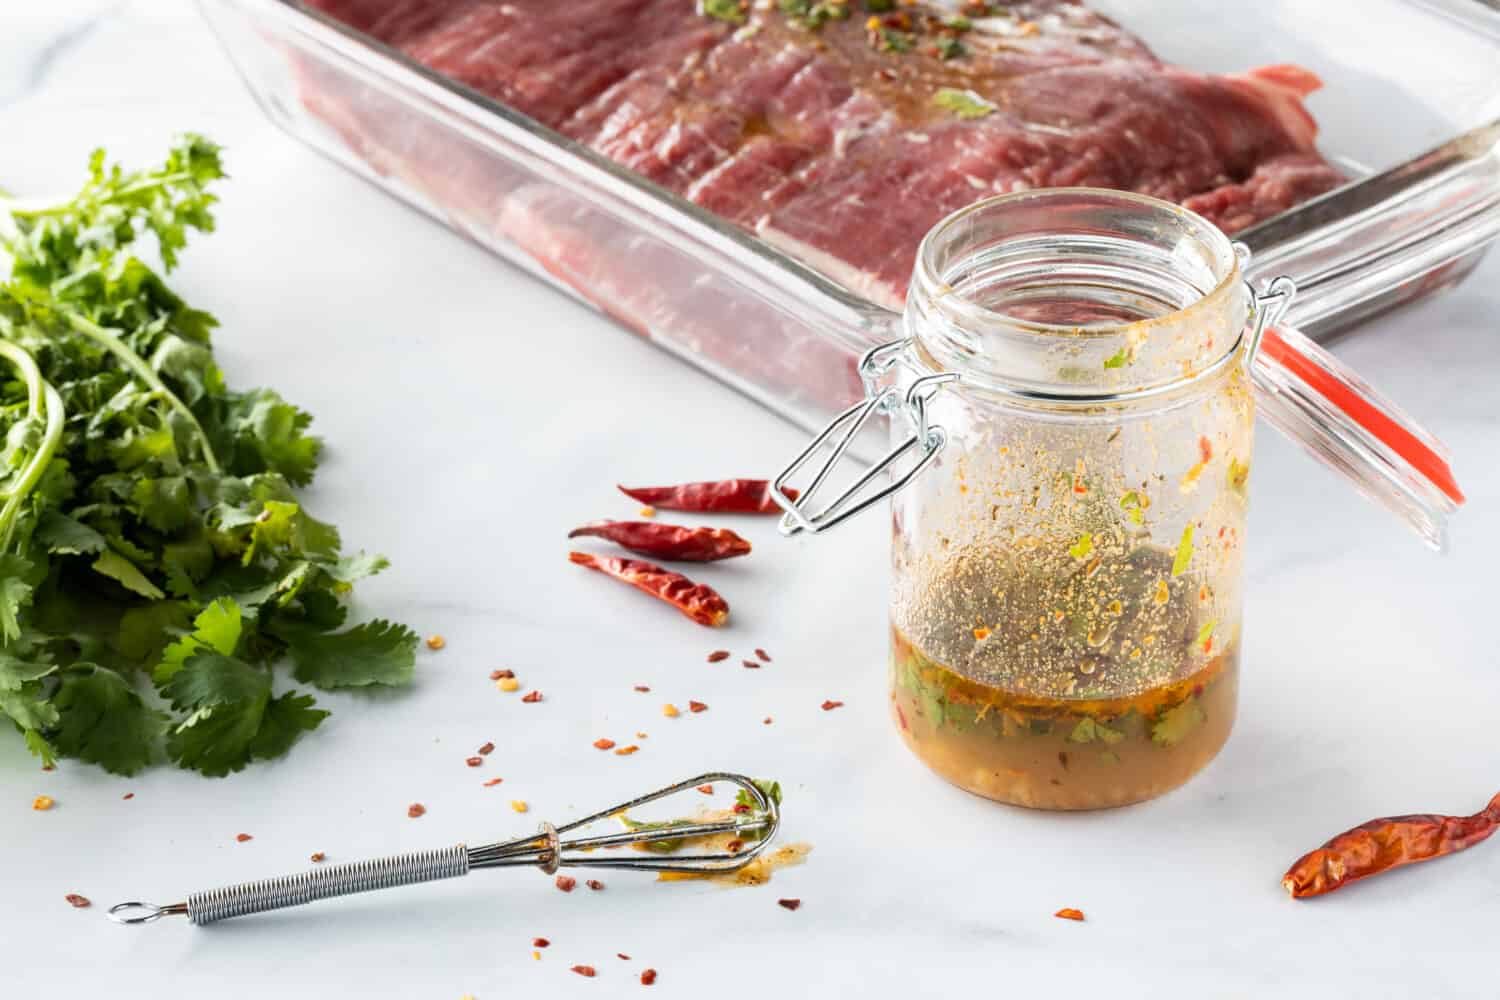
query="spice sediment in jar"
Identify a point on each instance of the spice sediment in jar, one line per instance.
(1098, 685)
(1053, 753)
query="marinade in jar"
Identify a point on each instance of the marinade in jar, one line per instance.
(1104, 688)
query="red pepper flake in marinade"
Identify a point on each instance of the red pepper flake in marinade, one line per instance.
(697, 601)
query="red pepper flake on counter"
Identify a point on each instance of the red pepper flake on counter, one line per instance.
(789, 904)
(243, 837)
(697, 601)
(78, 902)
(493, 782)
(540, 943)
(1068, 913)
(128, 796)
(830, 705)
(604, 744)
(317, 857)
(566, 882)
(718, 656)
(706, 789)
(766, 721)
(750, 664)
(622, 956)
(1386, 843)
(728, 496)
(648, 976)
(626, 751)
(436, 642)
(765, 657)
(672, 542)
(415, 810)
(473, 761)
(594, 884)
(499, 675)
(697, 706)
(486, 749)
(642, 688)
(587, 971)
(531, 697)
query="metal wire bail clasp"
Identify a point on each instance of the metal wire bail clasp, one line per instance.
(911, 405)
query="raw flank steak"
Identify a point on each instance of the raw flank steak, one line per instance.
(843, 144)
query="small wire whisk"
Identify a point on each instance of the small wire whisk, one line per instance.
(549, 849)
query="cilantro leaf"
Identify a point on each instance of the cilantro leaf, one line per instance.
(217, 629)
(226, 700)
(115, 566)
(15, 594)
(65, 536)
(102, 720)
(377, 652)
(286, 718)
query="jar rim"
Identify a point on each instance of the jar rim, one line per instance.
(1179, 271)
(1206, 233)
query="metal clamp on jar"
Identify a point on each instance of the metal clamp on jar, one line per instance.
(1072, 411)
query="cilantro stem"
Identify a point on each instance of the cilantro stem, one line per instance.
(20, 211)
(42, 400)
(110, 341)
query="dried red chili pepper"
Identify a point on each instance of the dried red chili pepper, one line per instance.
(531, 697)
(243, 837)
(540, 943)
(765, 656)
(699, 602)
(697, 706)
(587, 971)
(731, 496)
(78, 902)
(1383, 844)
(473, 761)
(830, 705)
(487, 749)
(790, 904)
(718, 656)
(750, 664)
(668, 541)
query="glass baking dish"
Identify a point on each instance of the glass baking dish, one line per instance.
(779, 331)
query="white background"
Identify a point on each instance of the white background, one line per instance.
(473, 416)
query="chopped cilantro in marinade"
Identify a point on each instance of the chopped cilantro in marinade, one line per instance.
(963, 103)
(723, 10)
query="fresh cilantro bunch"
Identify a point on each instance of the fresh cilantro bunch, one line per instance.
(155, 561)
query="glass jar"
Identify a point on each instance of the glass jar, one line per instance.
(1073, 409)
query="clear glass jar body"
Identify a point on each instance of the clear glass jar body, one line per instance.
(1066, 574)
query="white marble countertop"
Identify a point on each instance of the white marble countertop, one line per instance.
(456, 449)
